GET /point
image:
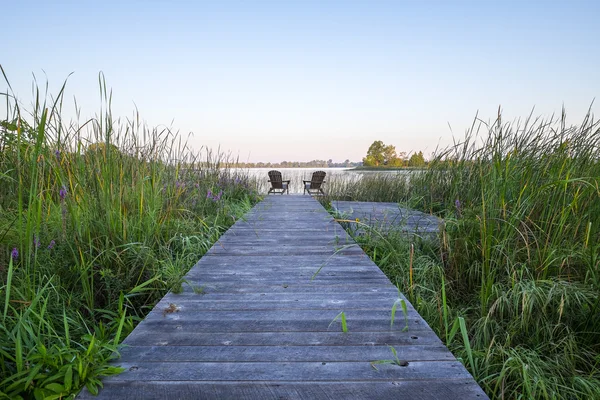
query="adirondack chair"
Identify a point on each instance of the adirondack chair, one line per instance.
(277, 184)
(314, 185)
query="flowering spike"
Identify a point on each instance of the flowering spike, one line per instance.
(63, 193)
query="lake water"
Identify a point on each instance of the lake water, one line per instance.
(297, 175)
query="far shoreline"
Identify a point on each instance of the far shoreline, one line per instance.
(385, 168)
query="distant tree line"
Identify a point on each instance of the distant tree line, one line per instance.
(379, 155)
(299, 164)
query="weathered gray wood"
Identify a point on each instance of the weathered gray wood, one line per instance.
(148, 337)
(291, 371)
(193, 312)
(289, 249)
(382, 299)
(279, 390)
(316, 286)
(389, 215)
(273, 354)
(320, 280)
(253, 321)
(316, 269)
(310, 325)
(282, 304)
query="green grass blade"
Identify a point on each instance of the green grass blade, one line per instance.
(467, 344)
(9, 277)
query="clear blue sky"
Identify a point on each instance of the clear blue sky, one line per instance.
(300, 80)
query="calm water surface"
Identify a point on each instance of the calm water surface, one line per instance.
(297, 175)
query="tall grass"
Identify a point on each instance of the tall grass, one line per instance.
(97, 220)
(388, 187)
(518, 257)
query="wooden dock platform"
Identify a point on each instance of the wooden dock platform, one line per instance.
(263, 329)
(390, 216)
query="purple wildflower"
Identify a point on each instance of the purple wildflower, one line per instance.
(63, 193)
(36, 242)
(197, 185)
(57, 154)
(51, 245)
(218, 197)
(209, 194)
(14, 253)
(458, 205)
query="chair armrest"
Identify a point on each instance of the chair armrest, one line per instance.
(305, 182)
(288, 182)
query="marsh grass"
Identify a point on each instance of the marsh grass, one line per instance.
(97, 221)
(517, 267)
(342, 317)
(395, 361)
(388, 187)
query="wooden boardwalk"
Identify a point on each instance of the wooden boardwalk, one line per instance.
(385, 216)
(263, 329)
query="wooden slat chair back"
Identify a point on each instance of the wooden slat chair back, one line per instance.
(278, 185)
(314, 185)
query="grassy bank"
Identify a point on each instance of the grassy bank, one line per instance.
(386, 168)
(97, 221)
(518, 259)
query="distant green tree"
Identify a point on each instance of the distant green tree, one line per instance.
(375, 154)
(416, 160)
(395, 162)
(389, 155)
(381, 154)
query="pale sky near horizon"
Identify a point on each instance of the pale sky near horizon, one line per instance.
(303, 80)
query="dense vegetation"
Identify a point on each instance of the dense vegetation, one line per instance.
(518, 258)
(380, 155)
(97, 221)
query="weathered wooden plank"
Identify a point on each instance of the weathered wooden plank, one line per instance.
(296, 371)
(285, 354)
(275, 243)
(316, 287)
(290, 268)
(283, 297)
(327, 226)
(240, 305)
(285, 261)
(306, 274)
(147, 337)
(285, 249)
(302, 275)
(273, 272)
(278, 390)
(190, 312)
(319, 283)
(308, 325)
